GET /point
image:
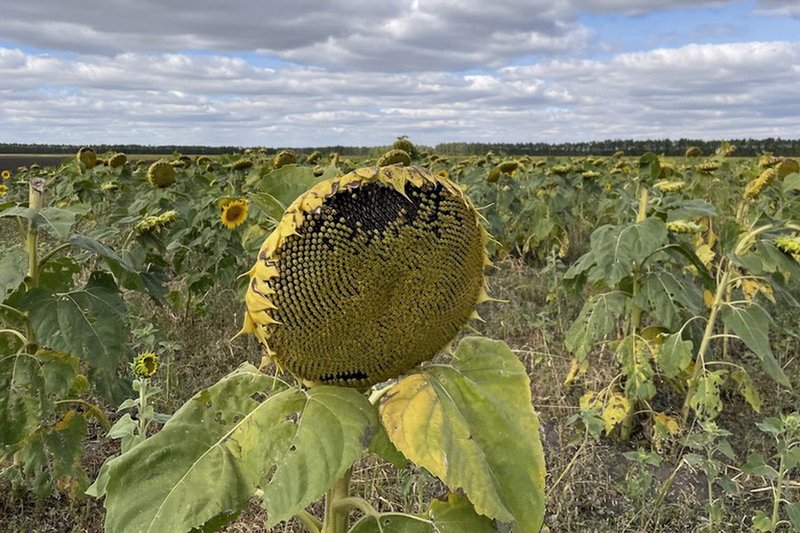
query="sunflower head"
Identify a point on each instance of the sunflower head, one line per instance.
(242, 164)
(3, 189)
(145, 365)
(395, 156)
(367, 275)
(284, 157)
(313, 157)
(161, 174)
(87, 157)
(6, 174)
(117, 160)
(404, 144)
(670, 186)
(154, 223)
(693, 151)
(234, 212)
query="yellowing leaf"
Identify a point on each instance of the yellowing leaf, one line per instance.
(708, 298)
(747, 389)
(576, 369)
(666, 425)
(615, 411)
(472, 425)
(751, 288)
(705, 254)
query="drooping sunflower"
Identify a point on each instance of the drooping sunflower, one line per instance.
(3, 189)
(367, 275)
(161, 174)
(87, 156)
(234, 212)
(145, 365)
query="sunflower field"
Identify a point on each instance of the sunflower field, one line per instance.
(287, 341)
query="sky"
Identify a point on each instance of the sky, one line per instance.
(363, 72)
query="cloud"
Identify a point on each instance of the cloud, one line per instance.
(784, 8)
(706, 91)
(372, 35)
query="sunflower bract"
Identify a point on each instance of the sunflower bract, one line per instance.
(367, 275)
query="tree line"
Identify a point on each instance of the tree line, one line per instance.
(670, 147)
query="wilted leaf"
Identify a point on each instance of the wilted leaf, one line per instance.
(751, 324)
(247, 431)
(472, 424)
(676, 354)
(706, 401)
(747, 389)
(634, 355)
(597, 319)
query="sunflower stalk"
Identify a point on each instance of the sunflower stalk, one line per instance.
(336, 513)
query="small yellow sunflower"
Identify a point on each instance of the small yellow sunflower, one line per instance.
(5, 174)
(3, 189)
(145, 365)
(234, 212)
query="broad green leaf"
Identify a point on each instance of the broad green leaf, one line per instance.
(618, 250)
(751, 324)
(55, 220)
(761, 522)
(58, 222)
(282, 186)
(690, 209)
(793, 511)
(667, 295)
(89, 322)
(456, 515)
(309, 465)
(597, 319)
(472, 425)
(129, 276)
(791, 183)
(247, 431)
(13, 267)
(87, 243)
(676, 354)
(381, 446)
(649, 166)
(756, 465)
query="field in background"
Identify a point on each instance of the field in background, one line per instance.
(620, 457)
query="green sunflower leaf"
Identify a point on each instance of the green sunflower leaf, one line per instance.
(248, 431)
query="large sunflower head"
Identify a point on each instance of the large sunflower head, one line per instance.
(234, 212)
(367, 275)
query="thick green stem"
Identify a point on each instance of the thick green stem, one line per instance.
(699, 363)
(35, 202)
(336, 516)
(636, 313)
